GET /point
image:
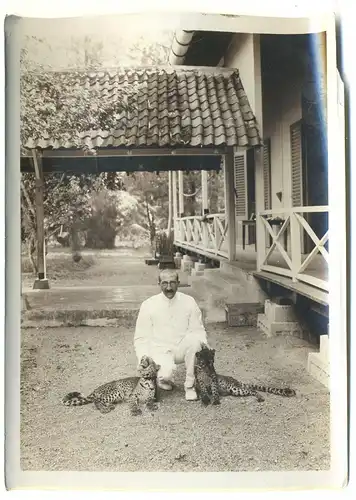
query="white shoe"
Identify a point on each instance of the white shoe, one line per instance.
(190, 394)
(165, 386)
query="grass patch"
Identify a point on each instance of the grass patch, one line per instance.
(61, 266)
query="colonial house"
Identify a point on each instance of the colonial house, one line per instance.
(250, 106)
(272, 235)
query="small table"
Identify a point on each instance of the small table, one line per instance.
(244, 224)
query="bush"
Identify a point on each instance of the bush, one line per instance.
(102, 226)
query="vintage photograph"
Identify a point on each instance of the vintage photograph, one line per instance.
(174, 245)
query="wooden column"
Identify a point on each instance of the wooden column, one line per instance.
(260, 228)
(180, 194)
(175, 204)
(41, 281)
(169, 228)
(230, 202)
(204, 192)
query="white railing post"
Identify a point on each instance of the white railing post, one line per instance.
(216, 229)
(296, 246)
(181, 229)
(174, 196)
(229, 185)
(189, 231)
(204, 192)
(261, 241)
(205, 234)
(180, 194)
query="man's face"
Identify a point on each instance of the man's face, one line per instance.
(169, 284)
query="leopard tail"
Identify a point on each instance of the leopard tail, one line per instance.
(77, 399)
(285, 392)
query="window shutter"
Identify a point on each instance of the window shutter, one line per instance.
(297, 165)
(240, 185)
(267, 174)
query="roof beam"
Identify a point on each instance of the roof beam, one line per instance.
(103, 153)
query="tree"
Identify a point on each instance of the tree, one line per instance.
(60, 106)
(88, 52)
(151, 189)
(152, 54)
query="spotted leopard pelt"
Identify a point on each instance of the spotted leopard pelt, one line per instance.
(210, 385)
(134, 390)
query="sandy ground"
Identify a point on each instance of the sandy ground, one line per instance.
(238, 435)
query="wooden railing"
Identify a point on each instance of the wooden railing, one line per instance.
(292, 229)
(207, 233)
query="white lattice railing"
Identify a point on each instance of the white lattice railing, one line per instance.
(206, 233)
(293, 227)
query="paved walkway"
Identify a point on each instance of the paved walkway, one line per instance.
(112, 289)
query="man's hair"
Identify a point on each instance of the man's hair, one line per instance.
(168, 271)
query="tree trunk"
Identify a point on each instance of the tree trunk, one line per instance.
(31, 251)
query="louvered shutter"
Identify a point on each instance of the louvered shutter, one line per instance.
(297, 165)
(267, 174)
(240, 185)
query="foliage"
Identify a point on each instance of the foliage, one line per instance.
(68, 201)
(151, 190)
(143, 54)
(62, 106)
(193, 195)
(111, 213)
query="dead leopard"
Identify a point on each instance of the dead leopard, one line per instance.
(210, 385)
(135, 390)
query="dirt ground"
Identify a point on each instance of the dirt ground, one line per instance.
(239, 435)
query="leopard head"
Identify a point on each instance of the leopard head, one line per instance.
(148, 368)
(204, 359)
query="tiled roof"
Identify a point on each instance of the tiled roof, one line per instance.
(172, 107)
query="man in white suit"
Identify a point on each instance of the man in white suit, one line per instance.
(170, 330)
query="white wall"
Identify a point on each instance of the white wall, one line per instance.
(281, 108)
(243, 54)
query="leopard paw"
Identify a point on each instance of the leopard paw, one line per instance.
(205, 400)
(152, 407)
(136, 411)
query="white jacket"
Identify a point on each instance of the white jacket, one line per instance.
(162, 323)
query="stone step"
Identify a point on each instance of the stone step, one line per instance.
(223, 280)
(324, 347)
(112, 315)
(48, 317)
(243, 275)
(243, 313)
(220, 288)
(319, 368)
(271, 329)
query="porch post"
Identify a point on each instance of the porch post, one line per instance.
(41, 281)
(180, 193)
(175, 206)
(296, 245)
(230, 202)
(169, 228)
(260, 228)
(204, 192)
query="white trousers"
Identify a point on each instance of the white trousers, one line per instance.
(169, 358)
